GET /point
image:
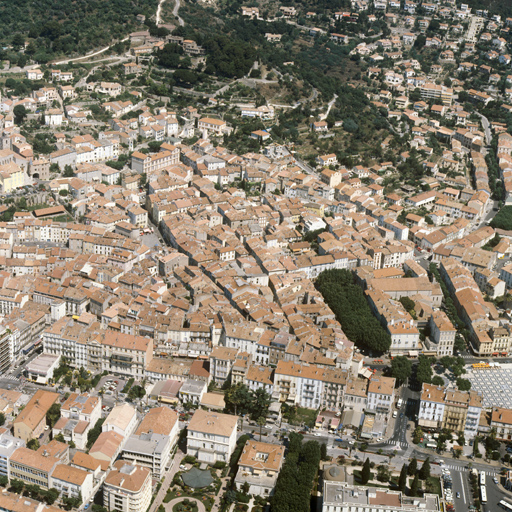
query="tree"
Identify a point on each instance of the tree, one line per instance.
(401, 368)
(424, 472)
(415, 486)
(20, 113)
(407, 303)
(53, 415)
(417, 435)
(323, 452)
(438, 381)
(68, 171)
(33, 444)
(424, 370)
(261, 422)
(2, 418)
(383, 474)
(17, 486)
(51, 496)
(260, 403)
(463, 384)
(94, 432)
(246, 488)
(412, 468)
(365, 472)
(402, 479)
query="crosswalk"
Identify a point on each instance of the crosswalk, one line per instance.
(9, 377)
(454, 467)
(396, 444)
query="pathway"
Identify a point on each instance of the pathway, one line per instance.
(175, 12)
(159, 12)
(167, 481)
(168, 506)
(90, 54)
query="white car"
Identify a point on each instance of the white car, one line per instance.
(317, 434)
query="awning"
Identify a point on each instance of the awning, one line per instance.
(41, 380)
(413, 353)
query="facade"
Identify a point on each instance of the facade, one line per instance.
(127, 488)
(211, 436)
(72, 482)
(450, 409)
(8, 445)
(259, 466)
(381, 394)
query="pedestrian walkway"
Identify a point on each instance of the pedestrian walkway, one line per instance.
(397, 444)
(168, 506)
(167, 481)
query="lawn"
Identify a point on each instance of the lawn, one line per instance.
(434, 485)
(300, 415)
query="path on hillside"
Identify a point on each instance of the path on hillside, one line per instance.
(175, 12)
(159, 12)
(89, 55)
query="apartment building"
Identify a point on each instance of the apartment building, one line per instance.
(211, 436)
(501, 422)
(356, 395)
(149, 164)
(343, 497)
(127, 488)
(221, 363)
(32, 467)
(122, 420)
(125, 354)
(430, 90)
(216, 126)
(309, 386)
(381, 394)
(442, 333)
(259, 466)
(8, 445)
(72, 482)
(451, 409)
(153, 441)
(31, 421)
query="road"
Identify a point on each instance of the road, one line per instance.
(329, 106)
(487, 130)
(159, 12)
(88, 56)
(175, 12)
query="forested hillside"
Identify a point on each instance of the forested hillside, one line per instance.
(58, 27)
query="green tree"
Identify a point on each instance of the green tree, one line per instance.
(51, 496)
(401, 368)
(260, 403)
(261, 422)
(53, 414)
(68, 171)
(365, 472)
(424, 370)
(415, 486)
(437, 380)
(402, 479)
(412, 468)
(33, 444)
(94, 432)
(323, 452)
(17, 486)
(425, 469)
(463, 384)
(417, 435)
(20, 113)
(2, 418)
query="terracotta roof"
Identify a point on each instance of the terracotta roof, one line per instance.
(159, 420)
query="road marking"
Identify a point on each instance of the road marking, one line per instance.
(462, 485)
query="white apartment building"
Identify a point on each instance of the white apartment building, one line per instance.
(72, 482)
(381, 394)
(8, 445)
(442, 333)
(127, 488)
(122, 420)
(343, 497)
(211, 436)
(432, 406)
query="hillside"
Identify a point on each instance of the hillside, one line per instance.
(57, 27)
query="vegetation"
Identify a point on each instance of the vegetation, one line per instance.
(348, 303)
(365, 472)
(56, 27)
(295, 481)
(53, 415)
(401, 368)
(241, 400)
(424, 370)
(463, 384)
(94, 433)
(503, 219)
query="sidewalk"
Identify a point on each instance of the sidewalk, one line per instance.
(167, 480)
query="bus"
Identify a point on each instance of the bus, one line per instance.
(482, 478)
(483, 494)
(503, 504)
